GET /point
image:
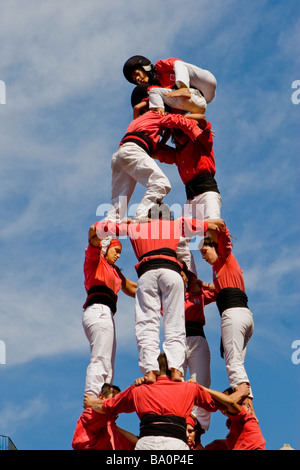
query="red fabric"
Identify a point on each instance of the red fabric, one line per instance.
(153, 124)
(194, 305)
(94, 432)
(217, 445)
(153, 235)
(114, 242)
(164, 397)
(226, 271)
(196, 158)
(245, 433)
(106, 274)
(165, 72)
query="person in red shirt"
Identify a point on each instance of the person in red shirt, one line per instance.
(193, 87)
(244, 431)
(95, 432)
(193, 433)
(162, 407)
(236, 319)
(133, 162)
(160, 285)
(102, 280)
(196, 166)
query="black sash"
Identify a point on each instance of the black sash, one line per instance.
(167, 426)
(101, 295)
(231, 297)
(139, 139)
(156, 263)
(201, 184)
(194, 328)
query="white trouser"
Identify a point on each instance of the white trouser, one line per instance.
(158, 99)
(160, 289)
(99, 327)
(198, 363)
(195, 77)
(160, 443)
(236, 329)
(204, 206)
(131, 165)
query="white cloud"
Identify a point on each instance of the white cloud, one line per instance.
(13, 416)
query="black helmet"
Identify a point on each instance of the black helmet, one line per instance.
(139, 93)
(137, 61)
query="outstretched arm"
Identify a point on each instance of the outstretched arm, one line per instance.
(230, 401)
(94, 240)
(128, 287)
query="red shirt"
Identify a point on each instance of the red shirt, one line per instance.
(153, 235)
(194, 305)
(163, 397)
(107, 274)
(165, 72)
(226, 271)
(245, 433)
(153, 124)
(196, 158)
(94, 432)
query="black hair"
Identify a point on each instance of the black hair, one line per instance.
(139, 93)
(208, 241)
(163, 365)
(108, 388)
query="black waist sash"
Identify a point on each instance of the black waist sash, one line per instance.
(139, 139)
(201, 184)
(156, 263)
(231, 297)
(101, 295)
(194, 328)
(167, 426)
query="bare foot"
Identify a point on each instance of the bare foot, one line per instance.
(150, 377)
(176, 375)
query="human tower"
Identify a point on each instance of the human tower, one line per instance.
(169, 102)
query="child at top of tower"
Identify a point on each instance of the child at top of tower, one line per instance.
(174, 82)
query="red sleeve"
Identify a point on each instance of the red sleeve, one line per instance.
(224, 244)
(166, 154)
(88, 427)
(165, 65)
(209, 295)
(204, 399)
(188, 126)
(122, 403)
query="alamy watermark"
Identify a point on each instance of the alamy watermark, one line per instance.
(2, 352)
(296, 353)
(121, 212)
(2, 92)
(296, 94)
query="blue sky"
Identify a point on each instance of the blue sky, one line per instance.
(67, 107)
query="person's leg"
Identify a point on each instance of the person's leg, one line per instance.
(172, 295)
(236, 329)
(147, 321)
(198, 360)
(133, 165)
(99, 327)
(190, 101)
(202, 79)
